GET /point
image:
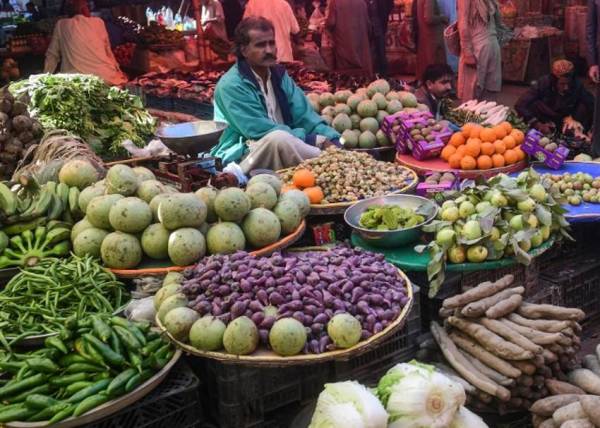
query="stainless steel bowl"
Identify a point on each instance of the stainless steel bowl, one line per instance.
(191, 138)
(391, 238)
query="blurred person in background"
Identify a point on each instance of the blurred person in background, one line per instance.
(233, 15)
(80, 44)
(379, 12)
(429, 34)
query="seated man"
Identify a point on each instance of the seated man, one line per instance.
(558, 100)
(271, 123)
(436, 85)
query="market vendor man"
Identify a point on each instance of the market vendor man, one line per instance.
(558, 101)
(436, 85)
(271, 123)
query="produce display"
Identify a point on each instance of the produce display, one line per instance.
(511, 351)
(94, 359)
(39, 299)
(306, 302)
(156, 34)
(476, 147)
(104, 116)
(130, 214)
(552, 153)
(505, 217)
(417, 133)
(343, 176)
(574, 189)
(390, 217)
(409, 395)
(358, 116)
(486, 113)
(18, 132)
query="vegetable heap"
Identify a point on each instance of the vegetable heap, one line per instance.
(510, 351)
(102, 115)
(325, 300)
(390, 217)
(40, 299)
(93, 360)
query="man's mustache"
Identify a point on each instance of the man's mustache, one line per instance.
(269, 56)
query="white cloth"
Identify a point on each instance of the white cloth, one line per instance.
(280, 13)
(277, 150)
(273, 109)
(213, 17)
(81, 45)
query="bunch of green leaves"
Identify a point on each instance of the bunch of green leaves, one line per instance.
(102, 115)
(390, 217)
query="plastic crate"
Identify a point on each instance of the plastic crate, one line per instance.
(548, 294)
(578, 281)
(401, 347)
(526, 276)
(430, 307)
(174, 403)
(532, 147)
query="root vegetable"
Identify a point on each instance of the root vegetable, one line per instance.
(548, 326)
(535, 311)
(577, 423)
(478, 308)
(537, 420)
(568, 412)
(483, 290)
(497, 377)
(525, 381)
(525, 366)
(504, 307)
(516, 402)
(547, 406)
(449, 371)
(468, 345)
(598, 351)
(464, 368)
(549, 356)
(548, 423)
(591, 362)
(591, 407)
(586, 380)
(536, 336)
(556, 387)
(499, 328)
(445, 312)
(491, 341)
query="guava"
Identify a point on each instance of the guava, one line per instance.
(516, 222)
(344, 330)
(241, 336)
(450, 214)
(177, 300)
(445, 237)
(457, 254)
(179, 321)
(287, 336)
(477, 254)
(526, 206)
(538, 192)
(471, 230)
(465, 209)
(482, 207)
(207, 334)
(165, 291)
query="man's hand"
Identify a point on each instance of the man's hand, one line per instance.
(570, 124)
(594, 73)
(545, 128)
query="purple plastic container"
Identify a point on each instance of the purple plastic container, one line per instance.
(427, 190)
(532, 147)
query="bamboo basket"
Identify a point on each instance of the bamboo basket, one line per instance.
(265, 358)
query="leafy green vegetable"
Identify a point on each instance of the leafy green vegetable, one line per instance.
(389, 217)
(102, 115)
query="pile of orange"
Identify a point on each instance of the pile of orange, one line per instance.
(305, 180)
(478, 147)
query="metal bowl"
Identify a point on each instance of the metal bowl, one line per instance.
(391, 238)
(191, 138)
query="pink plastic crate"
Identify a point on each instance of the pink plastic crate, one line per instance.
(532, 147)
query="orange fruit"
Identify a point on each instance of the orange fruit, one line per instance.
(468, 162)
(315, 194)
(457, 139)
(509, 142)
(498, 160)
(476, 131)
(488, 135)
(500, 131)
(466, 129)
(473, 147)
(484, 162)
(520, 153)
(461, 150)
(507, 127)
(454, 160)
(499, 146)
(518, 135)
(510, 157)
(303, 178)
(288, 187)
(487, 149)
(448, 151)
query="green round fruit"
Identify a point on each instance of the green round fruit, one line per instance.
(130, 215)
(186, 246)
(261, 227)
(232, 204)
(287, 336)
(289, 216)
(344, 330)
(477, 254)
(78, 173)
(179, 321)
(121, 250)
(167, 290)
(207, 334)
(241, 336)
(225, 238)
(79, 227)
(261, 195)
(89, 242)
(98, 210)
(121, 179)
(177, 300)
(155, 241)
(88, 194)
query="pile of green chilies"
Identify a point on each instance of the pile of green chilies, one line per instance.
(39, 299)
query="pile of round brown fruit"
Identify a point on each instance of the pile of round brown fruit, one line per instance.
(439, 178)
(547, 144)
(427, 131)
(574, 188)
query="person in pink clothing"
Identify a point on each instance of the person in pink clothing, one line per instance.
(80, 44)
(280, 13)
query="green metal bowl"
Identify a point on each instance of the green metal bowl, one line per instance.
(391, 238)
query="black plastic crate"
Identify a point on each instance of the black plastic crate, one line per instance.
(174, 403)
(578, 282)
(373, 364)
(430, 307)
(525, 276)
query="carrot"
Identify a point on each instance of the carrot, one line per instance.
(515, 337)
(535, 311)
(483, 290)
(478, 308)
(547, 406)
(586, 380)
(591, 407)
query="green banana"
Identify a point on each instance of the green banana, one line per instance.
(60, 249)
(43, 203)
(74, 201)
(67, 217)
(18, 228)
(8, 200)
(3, 241)
(54, 224)
(56, 208)
(40, 235)
(62, 190)
(24, 203)
(56, 235)
(50, 186)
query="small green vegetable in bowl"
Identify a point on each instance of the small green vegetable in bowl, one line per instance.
(389, 217)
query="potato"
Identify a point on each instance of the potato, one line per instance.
(591, 407)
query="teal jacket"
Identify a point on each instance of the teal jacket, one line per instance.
(239, 102)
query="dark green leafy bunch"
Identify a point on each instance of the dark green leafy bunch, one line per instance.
(102, 115)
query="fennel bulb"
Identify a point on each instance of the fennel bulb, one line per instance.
(467, 419)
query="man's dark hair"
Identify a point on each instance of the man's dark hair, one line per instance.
(435, 72)
(242, 31)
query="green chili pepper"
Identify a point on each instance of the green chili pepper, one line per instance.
(77, 386)
(108, 354)
(56, 343)
(68, 379)
(48, 412)
(63, 414)
(22, 385)
(101, 329)
(97, 387)
(11, 367)
(128, 339)
(152, 347)
(41, 389)
(83, 367)
(118, 383)
(90, 403)
(67, 360)
(38, 401)
(42, 365)
(16, 414)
